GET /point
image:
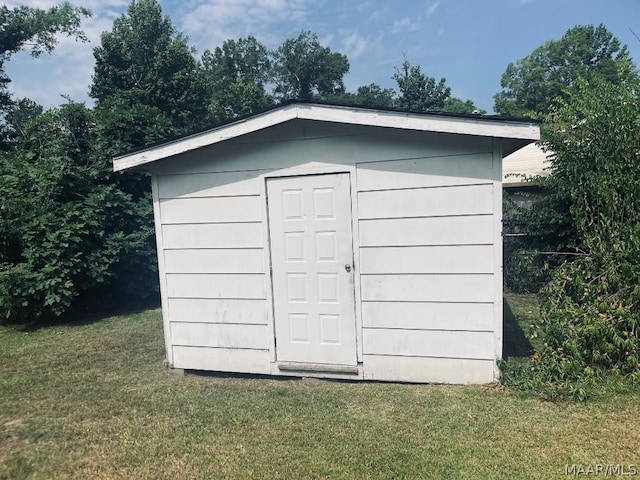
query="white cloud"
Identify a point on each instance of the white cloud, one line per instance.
(93, 5)
(405, 24)
(68, 70)
(432, 9)
(211, 22)
(354, 45)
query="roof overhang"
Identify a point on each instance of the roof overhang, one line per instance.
(518, 132)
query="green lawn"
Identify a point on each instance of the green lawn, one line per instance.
(94, 401)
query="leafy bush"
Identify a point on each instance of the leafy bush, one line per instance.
(69, 235)
(591, 306)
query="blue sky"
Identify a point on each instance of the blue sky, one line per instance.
(469, 42)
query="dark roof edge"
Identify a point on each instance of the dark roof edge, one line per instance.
(241, 118)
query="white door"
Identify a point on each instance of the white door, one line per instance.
(311, 261)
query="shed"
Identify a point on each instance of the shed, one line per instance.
(334, 241)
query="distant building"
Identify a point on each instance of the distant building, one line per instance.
(529, 161)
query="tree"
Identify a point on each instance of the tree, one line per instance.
(533, 83)
(69, 236)
(305, 70)
(235, 76)
(373, 95)
(590, 312)
(419, 91)
(366, 96)
(455, 105)
(144, 61)
(37, 30)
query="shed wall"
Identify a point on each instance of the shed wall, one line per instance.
(425, 219)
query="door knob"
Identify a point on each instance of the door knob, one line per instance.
(347, 267)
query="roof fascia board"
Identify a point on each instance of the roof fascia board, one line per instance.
(348, 115)
(210, 137)
(416, 121)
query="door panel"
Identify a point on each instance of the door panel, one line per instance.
(311, 255)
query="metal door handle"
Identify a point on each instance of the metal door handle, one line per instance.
(347, 267)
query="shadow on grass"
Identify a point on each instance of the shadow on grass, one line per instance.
(88, 314)
(515, 342)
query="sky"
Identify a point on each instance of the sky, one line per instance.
(468, 42)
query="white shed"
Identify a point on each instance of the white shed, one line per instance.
(332, 241)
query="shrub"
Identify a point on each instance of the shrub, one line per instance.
(591, 306)
(70, 236)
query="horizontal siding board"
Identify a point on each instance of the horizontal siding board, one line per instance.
(209, 185)
(210, 210)
(428, 315)
(219, 285)
(464, 230)
(428, 343)
(425, 172)
(345, 146)
(214, 261)
(220, 335)
(428, 370)
(433, 288)
(429, 259)
(426, 202)
(216, 235)
(221, 359)
(210, 310)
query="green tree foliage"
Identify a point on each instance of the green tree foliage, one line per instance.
(235, 77)
(590, 308)
(419, 91)
(531, 87)
(532, 84)
(148, 87)
(34, 29)
(144, 61)
(74, 235)
(69, 237)
(455, 105)
(371, 95)
(303, 69)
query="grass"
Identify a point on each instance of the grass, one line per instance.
(94, 401)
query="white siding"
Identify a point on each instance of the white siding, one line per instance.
(213, 235)
(433, 259)
(211, 210)
(214, 270)
(429, 315)
(428, 343)
(427, 287)
(216, 285)
(209, 185)
(427, 268)
(295, 144)
(216, 310)
(426, 202)
(461, 169)
(211, 260)
(422, 369)
(424, 223)
(253, 337)
(454, 230)
(527, 162)
(221, 359)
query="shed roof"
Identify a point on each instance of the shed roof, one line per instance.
(517, 132)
